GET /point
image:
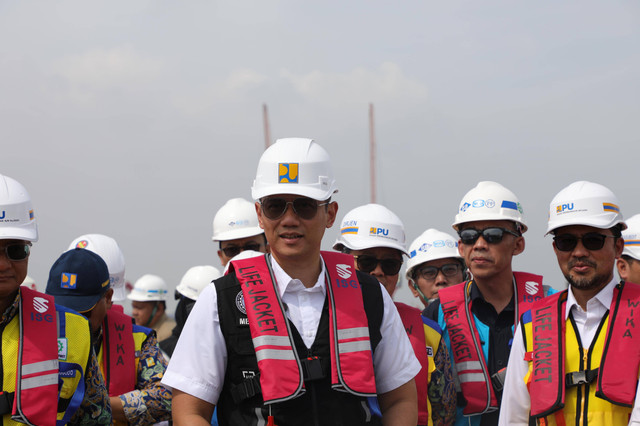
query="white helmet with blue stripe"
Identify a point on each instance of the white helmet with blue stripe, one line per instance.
(632, 237)
(490, 201)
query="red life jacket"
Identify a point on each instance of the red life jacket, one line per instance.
(281, 376)
(118, 352)
(412, 321)
(466, 346)
(617, 375)
(36, 391)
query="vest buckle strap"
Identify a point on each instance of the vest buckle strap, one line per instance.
(6, 402)
(246, 389)
(578, 378)
(497, 379)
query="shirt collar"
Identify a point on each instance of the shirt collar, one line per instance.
(11, 311)
(604, 297)
(283, 280)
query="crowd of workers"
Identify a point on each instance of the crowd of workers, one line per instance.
(288, 334)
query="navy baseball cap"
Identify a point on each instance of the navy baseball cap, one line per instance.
(78, 279)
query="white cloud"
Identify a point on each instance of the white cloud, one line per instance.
(360, 85)
(103, 69)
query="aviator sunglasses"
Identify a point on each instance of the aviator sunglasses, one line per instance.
(17, 252)
(492, 235)
(430, 273)
(233, 251)
(367, 263)
(590, 241)
(274, 208)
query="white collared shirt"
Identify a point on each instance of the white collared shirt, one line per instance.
(516, 401)
(199, 361)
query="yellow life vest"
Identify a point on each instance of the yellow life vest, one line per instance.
(74, 347)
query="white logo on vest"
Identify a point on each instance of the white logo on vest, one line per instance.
(531, 287)
(344, 271)
(240, 303)
(40, 304)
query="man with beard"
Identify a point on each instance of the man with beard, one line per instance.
(575, 354)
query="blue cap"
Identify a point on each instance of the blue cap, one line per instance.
(78, 279)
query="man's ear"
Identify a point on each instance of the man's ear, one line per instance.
(108, 296)
(332, 213)
(623, 269)
(259, 213)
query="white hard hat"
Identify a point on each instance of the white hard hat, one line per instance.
(107, 248)
(295, 166)
(585, 203)
(431, 245)
(371, 225)
(196, 279)
(17, 220)
(631, 237)
(149, 288)
(245, 254)
(490, 201)
(236, 219)
(30, 282)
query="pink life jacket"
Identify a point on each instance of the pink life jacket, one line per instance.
(118, 353)
(36, 391)
(281, 376)
(412, 321)
(617, 378)
(466, 346)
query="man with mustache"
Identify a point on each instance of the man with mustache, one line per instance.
(477, 316)
(575, 354)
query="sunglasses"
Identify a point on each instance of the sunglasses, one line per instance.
(491, 235)
(430, 273)
(590, 241)
(17, 252)
(274, 208)
(233, 251)
(367, 263)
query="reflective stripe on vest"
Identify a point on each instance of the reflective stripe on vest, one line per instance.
(616, 353)
(36, 391)
(118, 360)
(281, 376)
(412, 321)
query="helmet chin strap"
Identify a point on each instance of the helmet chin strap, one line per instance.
(424, 298)
(153, 314)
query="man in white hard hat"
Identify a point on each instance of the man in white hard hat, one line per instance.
(375, 236)
(629, 263)
(149, 306)
(236, 228)
(190, 287)
(576, 355)
(434, 263)
(128, 354)
(257, 344)
(478, 316)
(57, 378)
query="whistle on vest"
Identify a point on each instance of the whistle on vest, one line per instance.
(271, 421)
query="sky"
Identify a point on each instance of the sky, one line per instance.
(139, 120)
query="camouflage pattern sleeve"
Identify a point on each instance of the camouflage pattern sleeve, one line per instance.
(441, 390)
(151, 402)
(95, 408)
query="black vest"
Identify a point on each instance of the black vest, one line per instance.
(319, 405)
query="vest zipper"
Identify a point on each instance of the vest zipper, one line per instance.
(312, 395)
(479, 350)
(583, 388)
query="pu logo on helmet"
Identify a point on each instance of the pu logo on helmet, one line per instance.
(425, 247)
(564, 207)
(82, 244)
(287, 172)
(344, 271)
(464, 207)
(378, 231)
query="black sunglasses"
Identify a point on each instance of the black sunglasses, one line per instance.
(492, 235)
(233, 251)
(367, 263)
(430, 273)
(306, 208)
(590, 241)
(17, 252)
